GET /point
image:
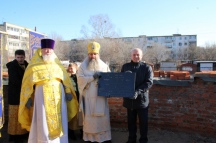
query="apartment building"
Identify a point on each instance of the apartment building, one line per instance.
(172, 41)
(15, 37)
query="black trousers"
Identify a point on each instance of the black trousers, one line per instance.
(132, 124)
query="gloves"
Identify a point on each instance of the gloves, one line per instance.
(68, 96)
(96, 75)
(29, 103)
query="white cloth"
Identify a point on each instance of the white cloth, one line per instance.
(96, 118)
(39, 129)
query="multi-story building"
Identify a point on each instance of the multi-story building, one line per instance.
(16, 37)
(139, 41)
(173, 41)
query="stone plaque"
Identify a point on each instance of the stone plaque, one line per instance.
(116, 85)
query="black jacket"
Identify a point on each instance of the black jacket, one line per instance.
(75, 85)
(144, 81)
(15, 73)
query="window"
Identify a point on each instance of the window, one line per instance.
(192, 37)
(168, 38)
(128, 40)
(180, 38)
(13, 37)
(15, 44)
(180, 44)
(16, 29)
(149, 38)
(23, 31)
(24, 38)
(185, 44)
(185, 38)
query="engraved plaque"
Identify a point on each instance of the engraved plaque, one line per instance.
(116, 85)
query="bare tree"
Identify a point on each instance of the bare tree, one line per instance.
(209, 52)
(100, 27)
(192, 52)
(61, 49)
(78, 50)
(156, 54)
(199, 53)
(114, 50)
(180, 54)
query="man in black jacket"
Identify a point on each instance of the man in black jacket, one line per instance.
(139, 104)
(16, 69)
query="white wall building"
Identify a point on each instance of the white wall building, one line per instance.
(173, 41)
(15, 37)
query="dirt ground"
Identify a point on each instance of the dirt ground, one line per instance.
(155, 136)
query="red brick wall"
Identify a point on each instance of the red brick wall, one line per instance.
(190, 109)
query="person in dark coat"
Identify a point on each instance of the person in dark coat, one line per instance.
(16, 69)
(138, 105)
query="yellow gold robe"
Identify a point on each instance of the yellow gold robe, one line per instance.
(40, 73)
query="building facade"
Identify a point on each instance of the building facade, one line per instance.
(16, 37)
(173, 41)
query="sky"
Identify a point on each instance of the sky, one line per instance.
(131, 18)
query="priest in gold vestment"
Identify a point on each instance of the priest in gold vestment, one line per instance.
(96, 118)
(47, 100)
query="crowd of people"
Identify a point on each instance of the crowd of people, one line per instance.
(47, 102)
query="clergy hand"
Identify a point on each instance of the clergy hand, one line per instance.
(96, 75)
(29, 103)
(68, 96)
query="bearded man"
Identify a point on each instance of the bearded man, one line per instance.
(95, 109)
(47, 87)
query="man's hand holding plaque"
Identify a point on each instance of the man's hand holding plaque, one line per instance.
(135, 95)
(97, 75)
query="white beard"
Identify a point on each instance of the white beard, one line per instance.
(48, 58)
(93, 65)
